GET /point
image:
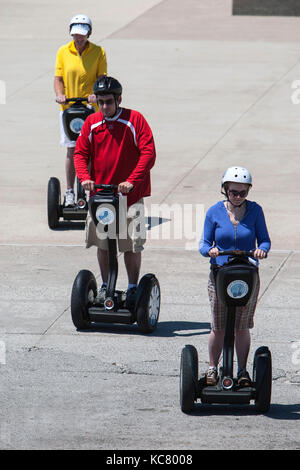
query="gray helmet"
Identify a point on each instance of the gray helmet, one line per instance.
(237, 174)
(106, 86)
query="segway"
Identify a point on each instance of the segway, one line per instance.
(85, 311)
(73, 119)
(235, 283)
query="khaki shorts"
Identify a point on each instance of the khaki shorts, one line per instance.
(132, 239)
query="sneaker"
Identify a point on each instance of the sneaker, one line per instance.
(211, 375)
(69, 198)
(130, 298)
(243, 378)
(101, 295)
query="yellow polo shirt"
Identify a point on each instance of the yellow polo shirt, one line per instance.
(79, 73)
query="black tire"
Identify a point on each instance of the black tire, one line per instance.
(262, 377)
(188, 378)
(147, 306)
(83, 294)
(53, 202)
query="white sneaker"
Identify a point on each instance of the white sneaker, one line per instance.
(101, 295)
(69, 198)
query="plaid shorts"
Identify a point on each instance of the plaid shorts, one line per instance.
(244, 315)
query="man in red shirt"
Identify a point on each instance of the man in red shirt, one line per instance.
(116, 146)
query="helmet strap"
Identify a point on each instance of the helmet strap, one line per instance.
(116, 106)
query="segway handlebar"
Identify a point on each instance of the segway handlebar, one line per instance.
(106, 186)
(237, 253)
(76, 100)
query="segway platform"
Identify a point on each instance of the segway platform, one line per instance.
(217, 393)
(74, 213)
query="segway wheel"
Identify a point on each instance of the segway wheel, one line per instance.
(147, 305)
(262, 377)
(83, 294)
(188, 378)
(53, 202)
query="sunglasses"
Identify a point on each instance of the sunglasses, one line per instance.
(108, 102)
(238, 193)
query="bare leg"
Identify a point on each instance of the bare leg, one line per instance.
(133, 265)
(242, 346)
(215, 346)
(70, 170)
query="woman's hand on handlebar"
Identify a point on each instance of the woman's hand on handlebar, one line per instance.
(125, 187)
(88, 185)
(213, 252)
(259, 254)
(61, 99)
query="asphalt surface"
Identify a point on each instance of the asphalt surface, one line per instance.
(217, 91)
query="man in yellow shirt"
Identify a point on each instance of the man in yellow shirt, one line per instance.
(78, 65)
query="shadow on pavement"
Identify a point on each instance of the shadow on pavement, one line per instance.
(277, 410)
(164, 329)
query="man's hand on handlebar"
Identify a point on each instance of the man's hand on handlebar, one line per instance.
(125, 187)
(88, 185)
(92, 99)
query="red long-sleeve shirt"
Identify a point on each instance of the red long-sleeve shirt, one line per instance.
(119, 149)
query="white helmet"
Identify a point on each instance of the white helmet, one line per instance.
(80, 24)
(237, 174)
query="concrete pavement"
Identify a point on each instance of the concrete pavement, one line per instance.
(216, 91)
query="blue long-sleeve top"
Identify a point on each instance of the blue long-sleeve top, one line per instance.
(250, 233)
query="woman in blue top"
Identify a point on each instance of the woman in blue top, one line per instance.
(233, 224)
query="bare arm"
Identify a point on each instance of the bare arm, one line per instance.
(59, 89)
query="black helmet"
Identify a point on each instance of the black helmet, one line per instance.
(107, 85)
